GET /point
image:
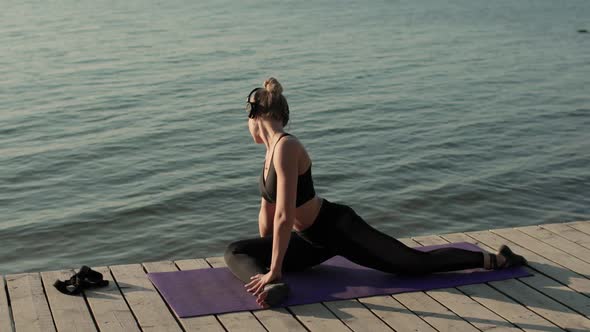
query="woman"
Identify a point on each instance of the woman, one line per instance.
(299, 229)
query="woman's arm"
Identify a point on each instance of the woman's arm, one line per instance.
(284, 217)
(285, 163)
(265, 218)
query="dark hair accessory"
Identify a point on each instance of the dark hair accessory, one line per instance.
(252, 107)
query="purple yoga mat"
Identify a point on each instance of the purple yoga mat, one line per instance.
(216, 290)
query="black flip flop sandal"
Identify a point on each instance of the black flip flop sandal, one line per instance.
(84, 279)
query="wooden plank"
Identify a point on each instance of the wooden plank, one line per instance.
(435, 314)
(545, 250)
(582, 226)
(509, 309)
(192, 264)
(429, 240)
(569, 233)
(6, 322)
(108, 307)
(409, 242)
(356, 316)
(470, 310)
(317, 317)
(558, 242)
(203, 323)
(70, 312)
(278, 319)
(394, 314)
(146, 304)
(250, 321)
(534, 298)
(438, 316)
(537, 262)
(499, 303)
(29, 306)
(543, 305)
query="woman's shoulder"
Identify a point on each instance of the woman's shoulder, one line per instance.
(291, 150)
(289, 144)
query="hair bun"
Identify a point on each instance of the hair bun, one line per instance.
(273, 86)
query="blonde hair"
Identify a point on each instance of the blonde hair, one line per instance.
(271, 101)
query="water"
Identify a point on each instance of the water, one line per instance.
(124, 135)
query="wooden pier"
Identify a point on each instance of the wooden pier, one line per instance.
(556, 298)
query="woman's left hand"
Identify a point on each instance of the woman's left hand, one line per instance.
(256, 286)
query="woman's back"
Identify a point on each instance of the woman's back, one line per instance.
(307, 202)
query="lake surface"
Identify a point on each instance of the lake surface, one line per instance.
(124, 139)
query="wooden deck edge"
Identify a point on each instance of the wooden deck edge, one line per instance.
(567, 312)
(407, 236)
(6, 315)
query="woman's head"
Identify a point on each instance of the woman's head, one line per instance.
(269, 103)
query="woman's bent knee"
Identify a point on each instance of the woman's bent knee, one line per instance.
(231, 250)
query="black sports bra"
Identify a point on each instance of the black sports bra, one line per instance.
(268, 188)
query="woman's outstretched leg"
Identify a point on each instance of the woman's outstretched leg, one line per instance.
(356, 240)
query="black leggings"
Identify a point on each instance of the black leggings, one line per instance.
(338, 230)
